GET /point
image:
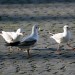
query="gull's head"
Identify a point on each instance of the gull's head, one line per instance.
(35, 27)
(66, 27)
(19, 32)
(35, 30)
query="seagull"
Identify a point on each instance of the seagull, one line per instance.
(29, 41)
(63, 37)
(11, 37)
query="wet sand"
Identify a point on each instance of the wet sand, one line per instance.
(44, 60)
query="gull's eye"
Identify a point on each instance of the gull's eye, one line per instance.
(68, 28)
(36, 27)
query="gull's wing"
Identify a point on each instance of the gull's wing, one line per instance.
(57, 37)
(7, 37)
(12, 34)
(27, 41)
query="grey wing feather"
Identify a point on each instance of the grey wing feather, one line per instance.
(27, 39)
(28, 42)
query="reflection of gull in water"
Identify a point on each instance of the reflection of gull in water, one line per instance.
(11, 37)
(63, 37)
(28, 42)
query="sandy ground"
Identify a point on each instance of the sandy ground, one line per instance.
(44, 60)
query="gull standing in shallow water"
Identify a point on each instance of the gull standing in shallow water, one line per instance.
(29, 41)
(63, 37)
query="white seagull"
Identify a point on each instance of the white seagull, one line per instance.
(11, 37)
(63, 37)
(29, 41)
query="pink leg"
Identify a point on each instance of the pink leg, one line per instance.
(28, 53)
(58, 50)
(70, 46)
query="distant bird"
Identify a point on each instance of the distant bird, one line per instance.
(11, 37)
(63, 37)
(29, 41)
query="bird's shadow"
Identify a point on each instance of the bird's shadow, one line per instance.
(50, 54)
(65, 53)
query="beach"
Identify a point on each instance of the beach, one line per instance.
(43, 61)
